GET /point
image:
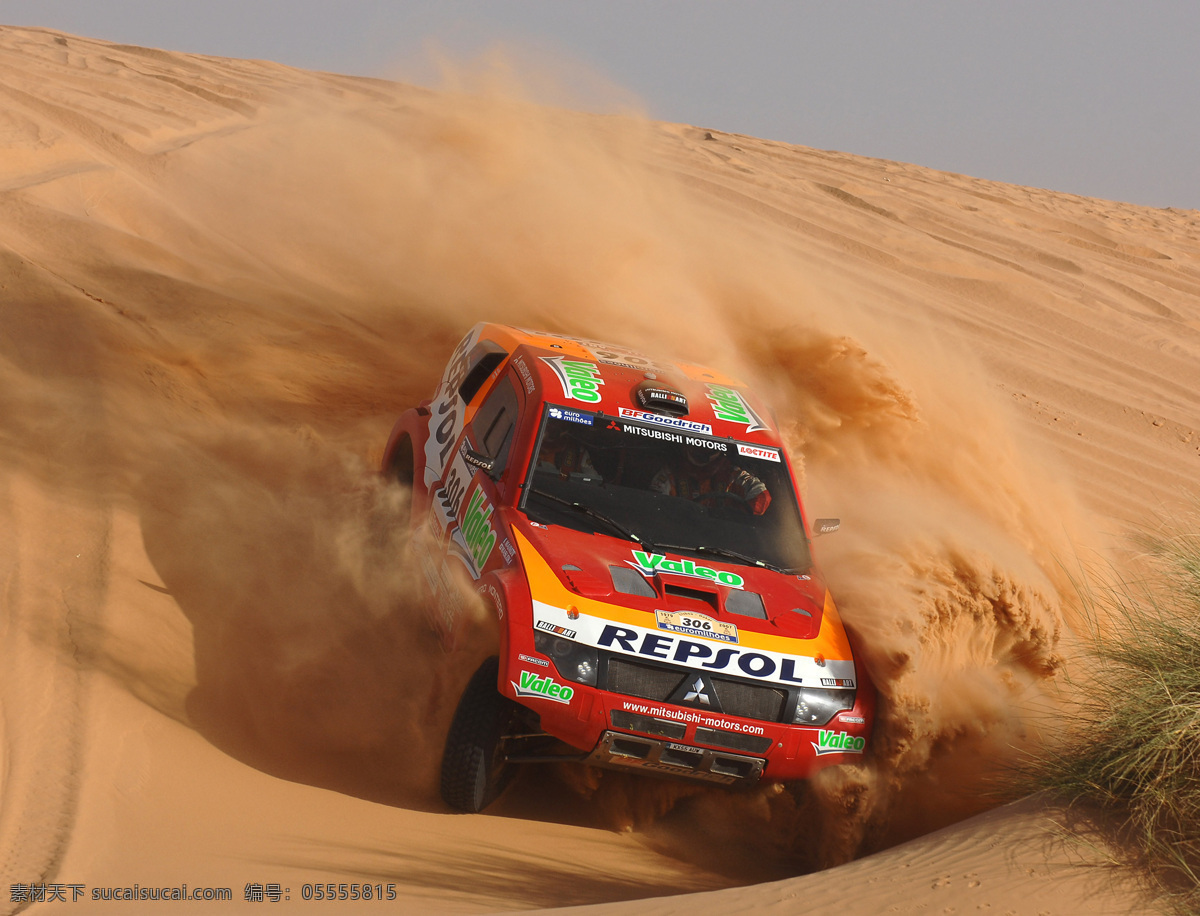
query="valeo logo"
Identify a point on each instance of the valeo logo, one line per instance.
(830, 742)
(477, 529)
(650, 563)
(543, 686)
(580, 380)
(729, 405)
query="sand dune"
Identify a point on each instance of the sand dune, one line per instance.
(221, 281)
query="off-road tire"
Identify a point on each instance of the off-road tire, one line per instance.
(474, 771)
(401, 469)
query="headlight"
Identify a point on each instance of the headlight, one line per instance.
(574, 662)
(816, 707)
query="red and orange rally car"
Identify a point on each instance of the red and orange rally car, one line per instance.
(635, 528)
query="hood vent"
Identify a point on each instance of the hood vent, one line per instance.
(629, 581)
(691, 594)
(747, 604)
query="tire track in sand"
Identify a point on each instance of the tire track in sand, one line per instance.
(53, 576)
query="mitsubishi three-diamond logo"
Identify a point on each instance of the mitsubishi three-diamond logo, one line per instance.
(698, 693)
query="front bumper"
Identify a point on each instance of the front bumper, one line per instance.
(668, 758)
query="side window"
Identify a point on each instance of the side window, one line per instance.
(495, 421)
(484, 357)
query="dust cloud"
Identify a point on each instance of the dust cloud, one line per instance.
(224, 347)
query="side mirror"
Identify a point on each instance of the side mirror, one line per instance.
(479, 460)
(822, 526)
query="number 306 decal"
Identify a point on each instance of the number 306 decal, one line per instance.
(693, 624)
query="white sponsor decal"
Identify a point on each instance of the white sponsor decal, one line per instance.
(696, 716)
(692, 624)
(507, 551)
(446, 411)
(758, 451)
(580, 380)
(671, 422)
(699, 654)
(729, 405)
(622, 358)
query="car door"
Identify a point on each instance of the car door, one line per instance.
(460, 535)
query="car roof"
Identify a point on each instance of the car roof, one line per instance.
(602, 377)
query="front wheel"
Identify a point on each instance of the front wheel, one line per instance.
(474, 771)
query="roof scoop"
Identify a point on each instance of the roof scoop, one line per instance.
(656, 397)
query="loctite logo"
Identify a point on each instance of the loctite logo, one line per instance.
(543, 686)
(829, 742)
(580, 380)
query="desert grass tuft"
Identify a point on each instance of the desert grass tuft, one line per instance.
(1132, 753)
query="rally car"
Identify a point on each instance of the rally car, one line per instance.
(634, 527)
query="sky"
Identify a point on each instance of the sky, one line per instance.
(1093, 97)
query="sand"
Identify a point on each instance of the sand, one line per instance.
(222, 280)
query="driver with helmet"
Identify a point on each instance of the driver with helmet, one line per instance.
(706, 473)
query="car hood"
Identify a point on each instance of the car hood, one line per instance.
(625, 574)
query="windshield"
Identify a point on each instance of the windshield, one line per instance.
(668, 486)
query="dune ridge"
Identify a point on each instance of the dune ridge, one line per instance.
(223, 279)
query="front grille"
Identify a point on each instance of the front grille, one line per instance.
(637, 680)
(649, 725)
(736, 698)
(750, 701)
(755, 744)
